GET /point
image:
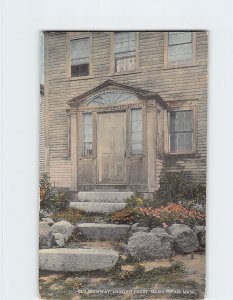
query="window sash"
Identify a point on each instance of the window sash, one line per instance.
(180, 47)
(80, 51)
(136, 131)
(181, 131)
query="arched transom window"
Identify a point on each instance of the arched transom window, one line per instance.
(111, 98)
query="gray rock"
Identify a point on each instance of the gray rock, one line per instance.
(137, 229)
(74, 260)
(59, 239)
(158, 231)
(63, 227)
(97, 207)
(201, 234)
(98, 231)
(45, 235)
(186, 240)
(135, 225)
(48, 220)
(148, 246)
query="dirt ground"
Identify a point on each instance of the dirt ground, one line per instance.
(186, 284)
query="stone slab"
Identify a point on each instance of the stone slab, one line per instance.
(106, 197)
(75, 260)
(95, 207)
(103, 232)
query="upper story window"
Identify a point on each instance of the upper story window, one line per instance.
(136, 131)
(125, 51)
(80, 57)
(181, 131)
(180, 48)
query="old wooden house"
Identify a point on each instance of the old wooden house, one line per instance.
(121, 106)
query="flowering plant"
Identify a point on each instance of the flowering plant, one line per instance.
(170, 214)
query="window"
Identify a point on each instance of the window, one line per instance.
(80, 57)
(160, 141)
(181, 131)
(136, 131)
(125, 51)
(87, 134)
(180, 48)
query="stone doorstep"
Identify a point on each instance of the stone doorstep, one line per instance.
(104, 197)
(95, 207)
(75, 260)
(103, 232)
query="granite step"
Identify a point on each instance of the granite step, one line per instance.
(95, 207)
(103, 197)
(103, 232)
(75, 260)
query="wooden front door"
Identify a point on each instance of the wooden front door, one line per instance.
(111, 141)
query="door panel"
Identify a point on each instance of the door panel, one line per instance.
(111, 141)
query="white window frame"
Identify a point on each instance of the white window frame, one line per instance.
(167, 63)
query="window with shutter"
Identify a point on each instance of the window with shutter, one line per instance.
(125, 51)
(181, 131)
(180, 48)
(80, 57)
(87, 134)
(136, 131)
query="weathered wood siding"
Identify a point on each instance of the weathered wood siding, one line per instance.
(42, 130)
(184, 83)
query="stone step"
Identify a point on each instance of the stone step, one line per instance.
(95, 207)
(103, 232)
(75, 260)
(106, 197)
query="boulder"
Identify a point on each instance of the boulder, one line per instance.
(103, 232)
(48, 220)
(45, 235)
(75, 260)
(201, 234)
(142, 229)
(158, 231)
(64, 228)
(147, 246)
(199, 207)
(185, 238)
(59, 239)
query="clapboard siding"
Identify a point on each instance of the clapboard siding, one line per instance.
(42, 130)
(189, 83)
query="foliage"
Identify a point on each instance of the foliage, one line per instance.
(69, 215)
(51, 199)
(170, 214)
(134, 201)
(125, 216)
(178, 187)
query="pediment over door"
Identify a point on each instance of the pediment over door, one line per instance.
(111, 93)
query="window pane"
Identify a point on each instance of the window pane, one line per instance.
(80, 48)
(87, 134)
(176, 38)
(125, 64)
(136, 131)
(180, 53)
(181, 131)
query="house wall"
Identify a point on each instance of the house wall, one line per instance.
(172, 84)
(42, 130)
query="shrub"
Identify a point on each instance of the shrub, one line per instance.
(125, 216)
(51, 199)
(178, 187)
(170, 214)
(69, 215)
(134, 201)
